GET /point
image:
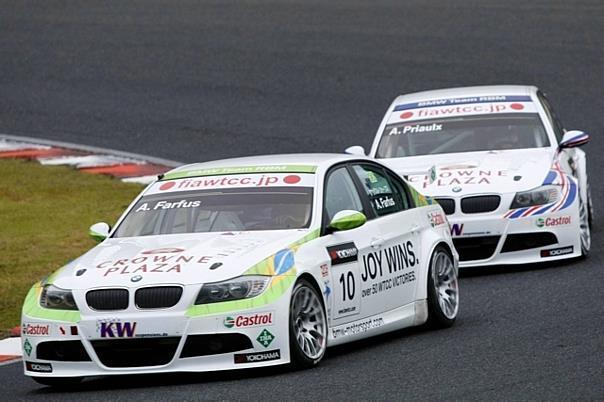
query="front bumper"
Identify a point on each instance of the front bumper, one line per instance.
(137, 342)
(492, 239)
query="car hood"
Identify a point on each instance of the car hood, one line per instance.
(475, 172)
(177, 259)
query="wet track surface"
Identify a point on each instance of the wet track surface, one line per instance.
(195, 81)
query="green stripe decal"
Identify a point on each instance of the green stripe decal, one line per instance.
(240, 170)
(278, 286)
(267, 266)
(420, 199)
(32, 308)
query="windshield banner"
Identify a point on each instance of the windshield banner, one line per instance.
(234, 181)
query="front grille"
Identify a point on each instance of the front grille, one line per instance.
(157, 297)
(481, 203)
(62, 351)
(136, 352)
(525, 241)
(475, 248)
(447, 204)
(205, 345)
(107, 299)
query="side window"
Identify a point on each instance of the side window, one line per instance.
(340, 194)
(400, 188)
(383, 198)
(551, 116)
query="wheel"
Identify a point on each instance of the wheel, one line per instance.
(58, 382)
(585, 223)
(443, 292)
(590, 206)
(307, 326)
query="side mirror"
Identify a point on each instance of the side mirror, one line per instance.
(355, 150)
(346, 220)
(99, 231)
(573, 138)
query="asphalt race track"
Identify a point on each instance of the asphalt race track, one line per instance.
(193, 81)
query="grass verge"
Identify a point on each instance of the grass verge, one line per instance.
(45, 213)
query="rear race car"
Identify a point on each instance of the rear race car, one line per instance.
(510, 178)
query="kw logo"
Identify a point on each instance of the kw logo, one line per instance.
(456, 229)
(118, 329)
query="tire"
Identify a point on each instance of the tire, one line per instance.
(58, 382)
(443, 291)
(590, 206)
(307, 326)
(585, 219)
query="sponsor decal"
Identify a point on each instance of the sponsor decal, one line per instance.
(324, 270)
(457, 167)
(548, 222)
(164, 250)
(343, 253)
(554, 252)
(38, 367)
(116, 329)
(36, 329)
(417, 128)
(169, 260)
(265, 338)
(457, 229)
(463, 101)
(357, 327)
(327, 290)
(229, 181)
(65, 330)
(243, 170)
(144, 207)
(257, 357)
(216, 265)
(27, 347)
(436, 218)
(568, 187)
(448, 178)
(249, 320)
(463, 106)
(383, 202)
(390, 260)
(284, 261)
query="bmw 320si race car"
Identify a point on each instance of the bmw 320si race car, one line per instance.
(245, 263)
(510, 178)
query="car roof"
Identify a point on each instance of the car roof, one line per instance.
(317, 160)
(483, 90)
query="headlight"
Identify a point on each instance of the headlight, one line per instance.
(539, 196)
(242, 287)
(57, 298)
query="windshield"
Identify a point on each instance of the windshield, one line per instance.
(462, 134)
(273, 208)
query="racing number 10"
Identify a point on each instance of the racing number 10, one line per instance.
(348, 285)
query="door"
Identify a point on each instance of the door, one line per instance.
(345, 248)
(389, 273)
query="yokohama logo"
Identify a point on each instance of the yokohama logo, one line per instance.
(257, 357)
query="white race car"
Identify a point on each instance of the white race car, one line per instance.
(508, 175)
(245, 263)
